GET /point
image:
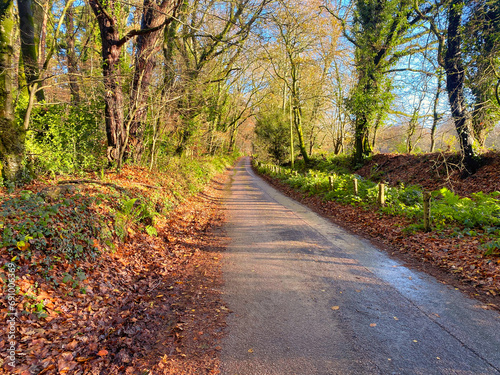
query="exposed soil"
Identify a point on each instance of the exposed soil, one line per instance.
(455, 261)
(433, 171)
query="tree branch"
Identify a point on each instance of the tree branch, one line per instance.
(343, 24)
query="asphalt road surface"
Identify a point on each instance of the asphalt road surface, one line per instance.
(306, 297)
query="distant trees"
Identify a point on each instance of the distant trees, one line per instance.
(299, 47)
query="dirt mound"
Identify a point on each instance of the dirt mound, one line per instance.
(433, 171)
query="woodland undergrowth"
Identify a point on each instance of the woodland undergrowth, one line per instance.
(83, 248)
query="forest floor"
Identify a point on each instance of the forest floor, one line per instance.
(149, 304)
(457, 261)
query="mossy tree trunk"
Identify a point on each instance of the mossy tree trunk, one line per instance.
(29, 45)
(455, 81)
(11, 135)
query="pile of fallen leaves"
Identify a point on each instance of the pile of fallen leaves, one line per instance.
(145, 302)
(459, 261)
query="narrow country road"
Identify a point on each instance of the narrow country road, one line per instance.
(307, 298)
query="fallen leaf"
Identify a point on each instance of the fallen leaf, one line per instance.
(102, 353)
(335, 307)
(83, 359)
(46, 369)
(373, 324)
(72, 345)
(250, 350)
(65, 363)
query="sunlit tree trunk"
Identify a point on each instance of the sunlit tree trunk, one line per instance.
(145, 61)
(29, 45)
(71, 57)
(11, 135)
(297, 114)
(436, 116)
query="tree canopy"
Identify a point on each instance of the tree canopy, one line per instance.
(98, 84)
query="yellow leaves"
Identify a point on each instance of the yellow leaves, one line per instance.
(335, 308)
(250, 350)
(373, 324)
(23, 245)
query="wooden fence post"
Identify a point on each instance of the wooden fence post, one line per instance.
(381, 194)
(355, 186)
(427, 211)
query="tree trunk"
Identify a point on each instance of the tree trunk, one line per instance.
(113, 95)
(455, 79)
(436, 116)
(44, 17)
(362, 146)
(11, 135)
(296, 110)
(116, 132)
(71, 58)
(29, 45)
(145, 62)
